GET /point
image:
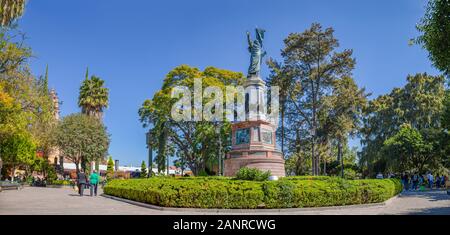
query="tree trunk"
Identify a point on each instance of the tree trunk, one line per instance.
(167, 157)
(77, 167)
(282, 131)
(340, 157)
(313, 159)
(298, 149)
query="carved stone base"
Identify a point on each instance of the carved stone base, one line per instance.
(253, 146)
(273, 164)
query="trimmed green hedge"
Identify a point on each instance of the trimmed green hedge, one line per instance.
(61, 182)
(289, 192)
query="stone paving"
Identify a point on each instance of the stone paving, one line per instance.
(31, 200)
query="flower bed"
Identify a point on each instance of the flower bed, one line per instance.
(226, 193)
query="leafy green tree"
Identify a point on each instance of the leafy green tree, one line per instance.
(17, 150)
(345, 115)
(31, 107)
(10, 10)
(143, 170)
(280, 76)
(196, 141)
(11, 119)
(27, 112)
(45, 120)
(110, 168)
(93, 98)
(407, 150)
(43, 166)
(311, 66)
(13, 52)
(81, 138)
(420, 103)
(180, 162)
(446, 114)
(435, 29)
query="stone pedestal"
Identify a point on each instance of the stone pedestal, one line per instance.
(254, 146)
(253, 140)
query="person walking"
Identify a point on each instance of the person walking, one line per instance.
(415, 180)
(421, 180)
(438, 182)
(404, 181)
(443, 180)
(430, 180)
(93, 179)
(82, 180)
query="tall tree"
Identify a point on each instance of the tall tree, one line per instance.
(311, 60)
(32, 103)
(435, 29)
(93, 97)
(197, 141)
(420, 103)
(81, 138)
(14, 53)
(446, 113)
(45, 120)
(279, 76)
(347, 103)
(10, 10)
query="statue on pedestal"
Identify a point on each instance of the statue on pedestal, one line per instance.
(253, 140)
(256, 52)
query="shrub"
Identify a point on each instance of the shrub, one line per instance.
(307, 177)
(110, 169)
(253, 174)
(350, 174)
(51, 174)
(226, 193)
(61, 182)
(203, 173)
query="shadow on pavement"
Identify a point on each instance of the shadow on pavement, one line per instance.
(432, 211)
(434, 196)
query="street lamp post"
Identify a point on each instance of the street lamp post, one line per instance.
(150, 153)
(218, 127)
(1, 165)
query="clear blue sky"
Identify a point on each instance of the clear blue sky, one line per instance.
(133, 44)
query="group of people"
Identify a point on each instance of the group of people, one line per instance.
(84, 182)
(416, 180)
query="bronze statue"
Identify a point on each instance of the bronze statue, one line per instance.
(256, 52)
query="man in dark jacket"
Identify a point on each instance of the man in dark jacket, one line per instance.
(82, 180)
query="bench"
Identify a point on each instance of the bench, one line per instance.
(5, 185)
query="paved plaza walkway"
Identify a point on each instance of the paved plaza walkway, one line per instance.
(31, 200)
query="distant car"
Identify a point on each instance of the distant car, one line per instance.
(379, 176)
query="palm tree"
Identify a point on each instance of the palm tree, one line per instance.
(93, 98)
(10, 10)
